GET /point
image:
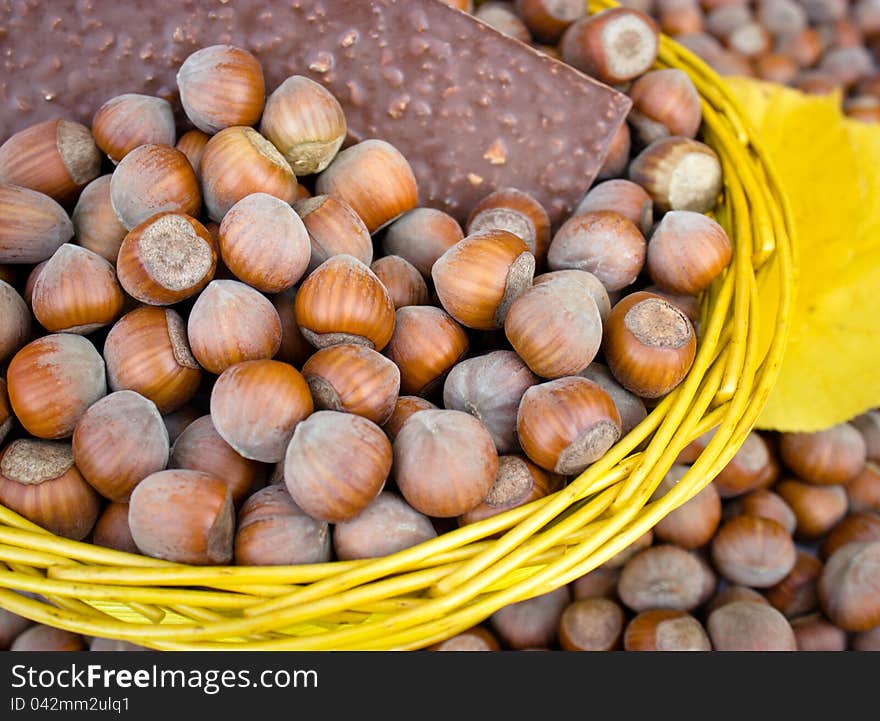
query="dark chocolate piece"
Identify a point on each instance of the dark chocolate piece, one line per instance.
(471, 109)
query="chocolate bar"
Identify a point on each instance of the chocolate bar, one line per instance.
(472, 109)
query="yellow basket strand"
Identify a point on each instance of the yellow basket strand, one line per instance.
(422, 595)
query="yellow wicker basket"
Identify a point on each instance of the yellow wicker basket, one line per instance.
(425, 594)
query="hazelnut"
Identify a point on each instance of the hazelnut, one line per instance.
(421, 236)
(533, 622)
(664, 576)
(167, 258)
(305, 122)
(622, 197)
(750, 40)
(681, 18)
(866, 641)
(752, 551)
(34, 225)
(517, 212)
(693, 523)
(334, 229)
(665, 630)
(796, 594)
(814, 633)
(776, 68)
(48, 638)
(111, 529)
(817, 508)
(11, 626)
(617, 156)
(749, 626)
(803, 46)
(603, 242)
(147, 351)
(849, 587)
(128, 121)
(613, 46)
(621, 558)
(38, 480)
(500, 15)
(479, 277)
(264, 243)
(460, 458)
(477, 638)
(722, 21)
(687, 252)
(752, 467)
(548, 19)
(555, 327)
(425, 345)
(649, 344)
(731, 594)
(199, 447)
(679, 174)
(183, 516)
(387, 525)
(255, 406)
(630, 407)
(6, 417)
(231, 322)
(863, 491)
(591, 624)
(517, 482)
(353, 379)
(343, 301)
(52, 381)
(665, 102)
(76, 292)
(490, 388)
(404, 407)
(221, 86)
(177, 421)
(830, 456)
(781, 17)
(119, 441)
(192, 144)
(601, 582)
(592, 284)
(402, 280)
(55, 157)
(95, 223)
(15, 321)
(854, 528)
(295, 349)
(336, 464)
(767, 504)
(237, 162)
(274, 531)
(374, 178)
(565, 425)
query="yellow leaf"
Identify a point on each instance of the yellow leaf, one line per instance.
(830, 169)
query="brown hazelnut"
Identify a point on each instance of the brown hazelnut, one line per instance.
(153, 179)
(750, 626)
(854, 528)
(613, 46)
(295, 349)
(264, 243)
(95, 222)
(199, 447)
(477, 638)
(119, 441)
(353, 379)
(866, 641)
(387, 525)
(15, 321)
(591, 624)
(111, 529)
(781, 17)
(421, 236)
(796, 594)
(603, 242)
(336, 464)
(183, 516)
(830, 456)
(814, 633)
(425, 345)
(374, 178)
(849, 587)
(334, 229)
(192, 144)
(630, 407)
(11, 626)
(679, 174)
(592, 284)
(257, 404)
(500, 15)
(55, 157)
(776, 68)
(490, 387)
(274, 531)
(555, 327)
(305, 122)
(517, 212)
(404, 407)
(221, 86)
(239, 161)
(147, 351)
(48, 638)
(34, 225)
(548, 19)
(694, 522)
(803, 46)
(565, 425)
(621, 558)
(767, 504)
(665, 102)
(52, 381)
(663, 576)
(622, 197)
(601, 582)
(6, 417)
(402, 280)
(817, 508)
(231, 322)
(128, 121)
(533, 622)
(343, 301)
(665, 630)
(617, 157)
(752, 551)
(752, 467)
(863, 491)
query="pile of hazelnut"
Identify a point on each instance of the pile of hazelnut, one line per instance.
(248, 343)
(818, 46)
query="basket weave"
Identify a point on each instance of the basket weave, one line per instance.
(425, 594)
